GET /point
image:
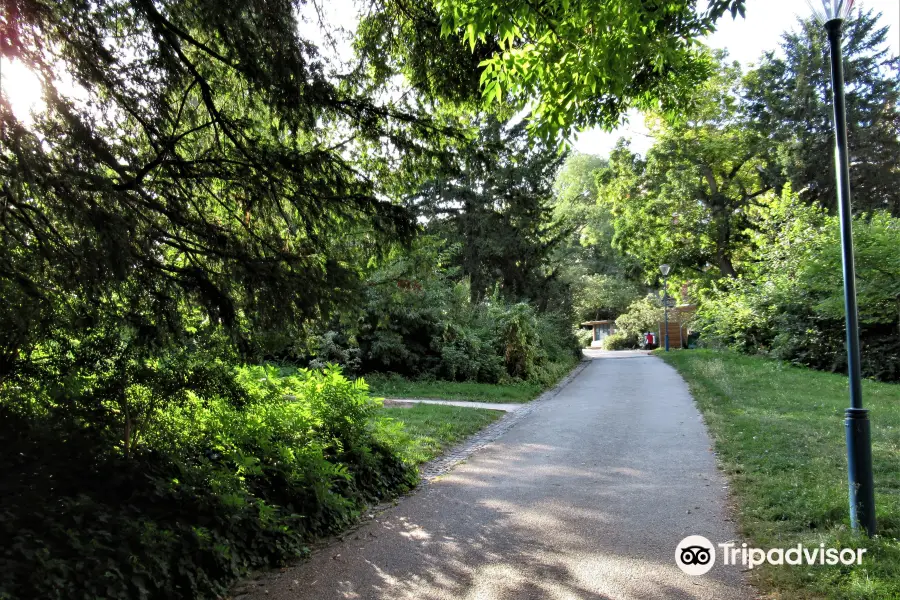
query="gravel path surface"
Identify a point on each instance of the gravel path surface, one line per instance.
(505, 407)
(585, 495)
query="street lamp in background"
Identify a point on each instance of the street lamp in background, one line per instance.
(831, 14)
(664, 269)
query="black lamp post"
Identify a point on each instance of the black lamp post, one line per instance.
(664, 269)
(831, 13)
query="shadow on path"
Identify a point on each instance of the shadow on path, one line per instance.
(586, 497)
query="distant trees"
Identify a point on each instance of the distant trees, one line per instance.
(604, 281)
(600, 296)
(588, 245)
(690, 201)
(494, 200)
(687, 202)
(787, 102)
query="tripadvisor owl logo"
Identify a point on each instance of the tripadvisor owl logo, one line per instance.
(695, 555)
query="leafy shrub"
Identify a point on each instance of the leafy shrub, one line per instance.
(420, 322)
(333, 348)
(618, 341)
(643, 315)
(791, 305)
(467, 356)
(549, 372)
(518, 339)
(216, 487)
(584, 336)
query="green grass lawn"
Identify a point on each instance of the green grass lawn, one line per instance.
(779, 434)
(398, 387)
(431, 428)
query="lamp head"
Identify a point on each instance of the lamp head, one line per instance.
(664, 269)
(829, 10)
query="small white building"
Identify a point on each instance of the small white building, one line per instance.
(601, 330)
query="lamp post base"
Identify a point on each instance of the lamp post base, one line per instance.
(859, 470)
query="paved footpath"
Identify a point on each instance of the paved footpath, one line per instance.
(502, 406)
(586, 496)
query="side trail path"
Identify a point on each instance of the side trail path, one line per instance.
(583, 495)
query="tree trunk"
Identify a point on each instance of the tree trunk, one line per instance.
(724, 263)
(722, 218)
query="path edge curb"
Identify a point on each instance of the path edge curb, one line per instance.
(442, 464)
(243, 588)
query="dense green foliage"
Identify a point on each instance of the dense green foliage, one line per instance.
(788, 101)
(494, 202)
(584, 336)
(477, 297)
(198, 183)
(617, 341)
(186, 195)
(791, 304)
(578, 63)
(686, 203)
(420, 321)
(777, 432)
(603, 280)
(601, 296)
(405, 38)
(642, 315)
(713, 198)
(690, 200)
(221, 485)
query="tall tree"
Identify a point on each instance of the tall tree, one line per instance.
(200, 174)
(495, 201)
(687, 203)
(575, 204)
(788, 101)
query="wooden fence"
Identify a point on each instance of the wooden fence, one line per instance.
(679, 326)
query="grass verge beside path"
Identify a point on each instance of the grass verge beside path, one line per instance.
(432, 428)
(779, 435)
(397, 387)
